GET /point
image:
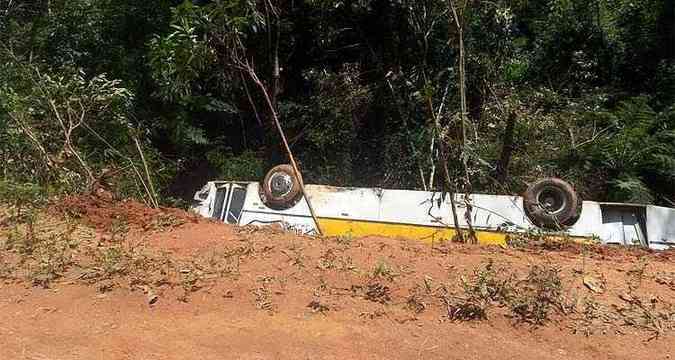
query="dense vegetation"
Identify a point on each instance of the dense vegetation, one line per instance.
(157, 96)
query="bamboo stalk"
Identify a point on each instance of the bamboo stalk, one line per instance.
(444, 159)
(153, 195)
(296, 170)
(462, 95)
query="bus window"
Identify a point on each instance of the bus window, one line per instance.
(236, 204)
(219, 202)
(624, 225)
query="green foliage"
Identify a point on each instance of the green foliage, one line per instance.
(590, 85)
(481, 291)
(638, 145)
(247, 166)
(58, 113)
(21, 195)
(632, 189)
(182, 57)
(51, 259)
(328, 123)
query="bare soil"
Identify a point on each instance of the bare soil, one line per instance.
(164, 284)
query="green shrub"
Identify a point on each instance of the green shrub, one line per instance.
(246, 166)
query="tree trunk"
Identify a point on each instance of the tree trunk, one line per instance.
(464, 120)
(275, 71)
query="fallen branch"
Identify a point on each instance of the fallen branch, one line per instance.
(130, 160)
(296, 170)
(153, 194)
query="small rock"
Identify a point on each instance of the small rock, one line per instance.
(593, 284)
(152, 298)
(626, 297)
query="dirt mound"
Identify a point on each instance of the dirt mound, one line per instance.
(170, 291)
(106, 215)
(599, 251)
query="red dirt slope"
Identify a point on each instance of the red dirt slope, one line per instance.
(246, 293)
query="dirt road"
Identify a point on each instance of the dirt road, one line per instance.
(77, 323)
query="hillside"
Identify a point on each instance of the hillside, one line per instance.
(90, 278)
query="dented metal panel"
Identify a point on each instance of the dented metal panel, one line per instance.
(660, 227)
(414, 207)
(623, 225)
(345, 203)
(589, 222)
(494, 212)
(408, 213)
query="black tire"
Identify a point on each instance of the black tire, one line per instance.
(552, 203)
(280, 189)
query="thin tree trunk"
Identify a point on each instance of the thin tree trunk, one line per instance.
(147, 174)
(38, 145)
(446, 174)
(432, 151)
(502, 171)
(296, 170)
(276, 72)
(250, 100)
(274, 49)
(130, 160)
(453, 209)
(464, 120)
(68, 146)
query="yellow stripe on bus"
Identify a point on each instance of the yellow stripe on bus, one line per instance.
(425, 233)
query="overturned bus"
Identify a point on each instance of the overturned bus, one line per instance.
(549, 205)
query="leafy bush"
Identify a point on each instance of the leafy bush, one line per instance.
(246, 166)
(638, 149)
(480, 292)
(63, 117)
(353, 91)
(21, 195)
(537, 295)
(329, 123)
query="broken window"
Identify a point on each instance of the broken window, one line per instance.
(236, 204)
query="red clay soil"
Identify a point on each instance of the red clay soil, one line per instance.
(103, 214)
(76, 323)
(283, 296)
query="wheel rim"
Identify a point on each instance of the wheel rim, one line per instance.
(280, 184)
(552, 200)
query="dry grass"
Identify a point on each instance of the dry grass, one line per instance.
(420, 297)
(6, 268)
(594, 317)
(538, 295)
(331, 260)
(318, 307)
(382, 270)
(651, 314)
(41, 251)
(666, 278)
(50, 259)
(263, 293)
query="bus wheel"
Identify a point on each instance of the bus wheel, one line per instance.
(552, 203)
(280, 189)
